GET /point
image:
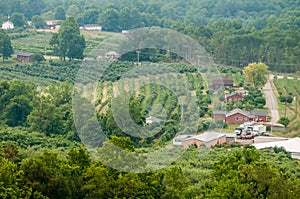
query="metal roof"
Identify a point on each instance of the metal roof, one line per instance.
(237, 110)
(234, 93)
(24, 54)
(207, 136)
(291, 145)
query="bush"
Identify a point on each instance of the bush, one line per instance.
(284, 121)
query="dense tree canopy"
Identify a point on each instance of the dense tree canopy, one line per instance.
(18, 20)
(68, 42)
(6, 49)
(256, 74)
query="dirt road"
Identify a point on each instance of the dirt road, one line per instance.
(271, 102)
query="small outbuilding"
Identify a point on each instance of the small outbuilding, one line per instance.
(234, 97)
(24, 56)
(112, 55)
(92, 27)
(219, 82)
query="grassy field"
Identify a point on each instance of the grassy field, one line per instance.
(289, 85)
(44, 73)
(38, 41)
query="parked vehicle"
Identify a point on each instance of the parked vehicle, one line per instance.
(259, 129)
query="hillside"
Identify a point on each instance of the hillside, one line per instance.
(78, 125)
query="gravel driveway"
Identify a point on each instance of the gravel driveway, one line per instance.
(271, 102)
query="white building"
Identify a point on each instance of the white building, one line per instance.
(290, 145)
(8, 25)
(92, 27)
(112, 55)
(151, 120)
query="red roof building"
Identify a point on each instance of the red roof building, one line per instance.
(238, 116)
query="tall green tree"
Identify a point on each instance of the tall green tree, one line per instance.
(109, 19)
(69, 42)
(6, 48)
(51, 112)
(60, 13)
(256, 74)
(16, 98)
(38, 21)
(19, 20)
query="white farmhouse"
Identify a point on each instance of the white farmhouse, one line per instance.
(8, 25)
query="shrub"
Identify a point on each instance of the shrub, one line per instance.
(284, 121)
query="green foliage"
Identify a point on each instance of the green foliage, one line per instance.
(38, 21)
(51, 113)
(60, 13)
(284, 121)
(68, 42)
(6, 49)
(10, 186)
(16, 102)
(18, 20)
(244, 175)
(38, 57)
(288, 99)
(256, 74)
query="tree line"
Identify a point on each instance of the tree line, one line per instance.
(234, 33)
(241, 173)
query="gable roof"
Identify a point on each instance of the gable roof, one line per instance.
(259, 113)
(112, 53)
(222, 80)
(219, 112)
(24, 54)
(234, 93)
(8, 22)
(237, 110)
(249, 114)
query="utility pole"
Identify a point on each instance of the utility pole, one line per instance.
(138, 53)
(296, 104)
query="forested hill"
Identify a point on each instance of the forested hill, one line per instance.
(250, 13)
(234, 32)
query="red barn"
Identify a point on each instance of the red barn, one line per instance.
(238, 116)
(234, 97)
(24, 57)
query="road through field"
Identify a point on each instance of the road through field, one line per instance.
(271, 102)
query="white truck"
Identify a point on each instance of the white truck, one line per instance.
(259, 129)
